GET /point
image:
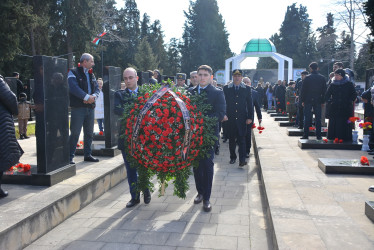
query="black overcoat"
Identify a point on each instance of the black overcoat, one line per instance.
(239, 108)
(342, 97)
(10, 150)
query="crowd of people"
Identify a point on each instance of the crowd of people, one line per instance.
(234, 105)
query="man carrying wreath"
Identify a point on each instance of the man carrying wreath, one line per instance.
(214, 97)
(121, 97)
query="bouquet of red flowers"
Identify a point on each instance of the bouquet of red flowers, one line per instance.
(166, 134)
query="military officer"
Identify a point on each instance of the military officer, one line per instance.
(181, 80)
(239, 110)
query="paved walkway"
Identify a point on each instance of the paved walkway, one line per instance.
(310, 209)
(236, 221)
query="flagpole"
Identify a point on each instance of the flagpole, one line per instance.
(102, 58)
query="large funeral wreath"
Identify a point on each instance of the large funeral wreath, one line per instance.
(159, 144)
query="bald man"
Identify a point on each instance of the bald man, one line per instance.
(122, 97)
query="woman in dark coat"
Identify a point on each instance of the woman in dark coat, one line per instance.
(10, 150)
(341, 94)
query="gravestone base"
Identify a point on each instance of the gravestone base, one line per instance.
(286, 124)
(97, 137)
(300, 132)
(320, 144)
(280, 118)
(344, 166)
(278, 115)
(38, 179)
(369, 210)
(271, 111)
(100, 150)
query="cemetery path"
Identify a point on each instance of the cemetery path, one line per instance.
(237, 219)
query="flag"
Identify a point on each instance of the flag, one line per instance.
(102, 34)
(96, 41)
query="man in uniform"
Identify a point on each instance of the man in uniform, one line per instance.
(120, 98)
(204, 173)
(239, 109)
(181, 80)
(83, 90)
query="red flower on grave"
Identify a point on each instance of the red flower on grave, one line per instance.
(312, 128)
(260, 132)
(101, 133)
(353, 119)
(325, 140)
(341, 141)
(364, 161)
(288, 103)
(336, 140)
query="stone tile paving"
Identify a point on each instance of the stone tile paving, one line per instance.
(309, 209)
(237, 220)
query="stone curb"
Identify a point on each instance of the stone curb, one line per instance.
(57, 203)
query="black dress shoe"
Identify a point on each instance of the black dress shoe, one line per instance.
(217, 151)
(243, 163)
(72, 162)
(198, 199)
(206, 206)
(21, 137)
(247, 155)
(371, 153)
(132, 203)
(147, 197)
(91, 159)
(305, 138)
(3, 193)
(26, 137)
(232, 161)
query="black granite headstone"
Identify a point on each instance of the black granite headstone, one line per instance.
(369, 210)
(145, 77)
(280, 118)
(52, 124)
(286, 124)
(12, 82)
(278, 115)
(271, 111)
(320, 144)
(344, 166)
(300, 132)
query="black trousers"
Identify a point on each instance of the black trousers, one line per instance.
(236, 138)
(204, 176)
(248, 139)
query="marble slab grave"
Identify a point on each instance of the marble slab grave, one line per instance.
(280, 118)
(320, 144)
(270, 111)
(278, 115)
(369, 210)
(345, 166)
(299, 132)
(100, 150)
(286, 124)
(39, 179)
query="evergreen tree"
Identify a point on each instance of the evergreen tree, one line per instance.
(343, 49)
(326, 44)
(369, 12)
(16, 17)
(156, 41)
(173, 58)
(144, 58)
(205, 39)
(144, 30)
(365, 60)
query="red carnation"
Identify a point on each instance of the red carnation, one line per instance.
(364, 160)
(90, 71)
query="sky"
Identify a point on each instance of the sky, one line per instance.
(244, 19)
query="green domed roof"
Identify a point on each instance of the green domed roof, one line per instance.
(259, 45)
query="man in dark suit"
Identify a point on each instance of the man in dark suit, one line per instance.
(121, 97)
(204, 173)
(312, 96)
(239, 109)
(257, 106)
